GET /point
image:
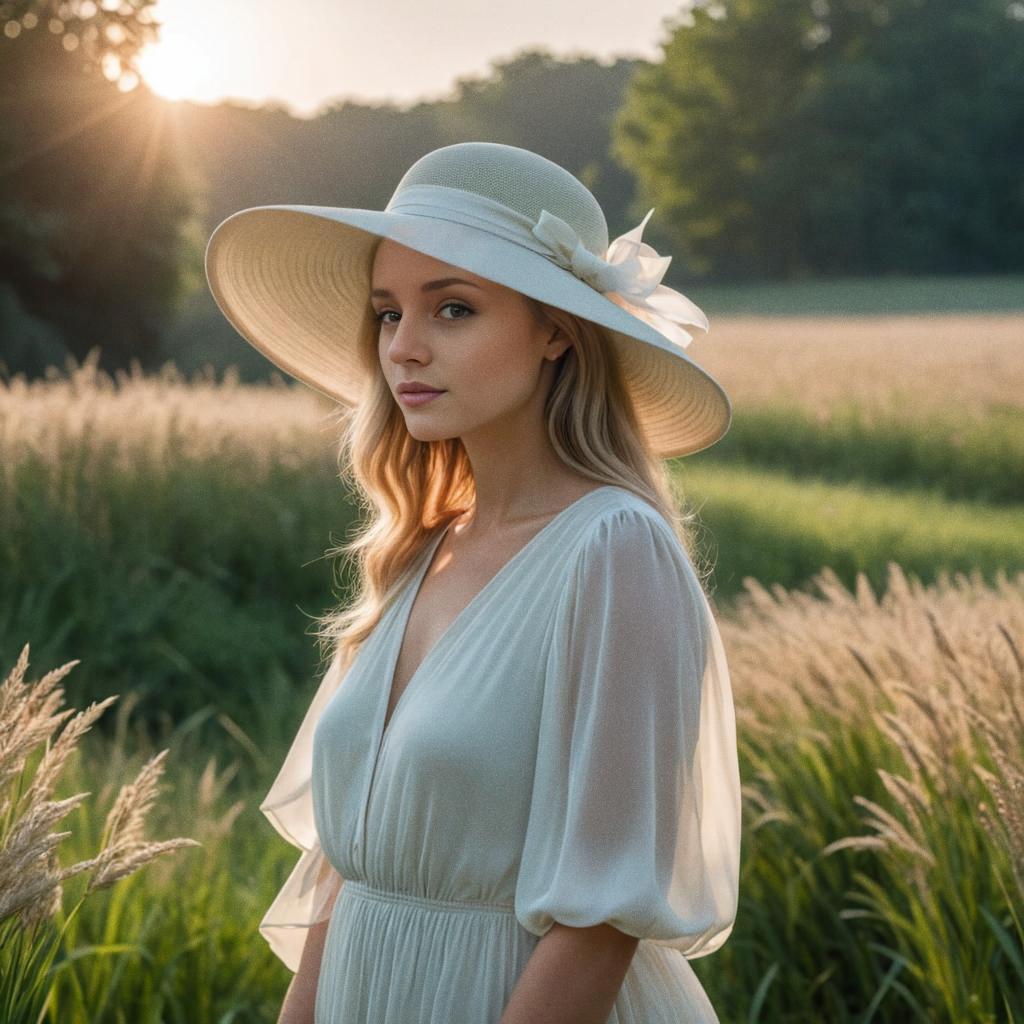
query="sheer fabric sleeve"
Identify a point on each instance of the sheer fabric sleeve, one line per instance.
(307, 894)
(635, 810)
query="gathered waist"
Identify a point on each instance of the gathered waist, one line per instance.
(363, 891)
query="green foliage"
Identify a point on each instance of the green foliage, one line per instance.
(974, 458)
(792, 943)
(99, 237)
(26, 956)
(780, 529)
(854, 935)
(170, 577)
(872, 296)
(31, 344)
(783, 138)
(98, 34)
(178, 940)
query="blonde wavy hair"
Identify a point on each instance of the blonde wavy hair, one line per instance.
(410, 489)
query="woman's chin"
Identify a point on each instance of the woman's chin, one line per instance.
(424, 431)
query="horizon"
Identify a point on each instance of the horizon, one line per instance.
(201, 56)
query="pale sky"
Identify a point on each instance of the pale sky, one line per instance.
(309, 52)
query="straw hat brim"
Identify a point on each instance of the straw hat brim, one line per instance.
(294, 281)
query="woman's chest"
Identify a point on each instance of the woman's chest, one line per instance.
(480, 680)
(461, 742)
(449, 591)
(474, 696)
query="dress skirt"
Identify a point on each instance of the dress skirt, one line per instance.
(394, 957)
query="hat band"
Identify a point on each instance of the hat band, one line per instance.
(629, 274)
(470, 209)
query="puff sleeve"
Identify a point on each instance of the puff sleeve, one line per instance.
(635, 810)
(306, 896)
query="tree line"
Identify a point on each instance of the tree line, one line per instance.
(775, 138)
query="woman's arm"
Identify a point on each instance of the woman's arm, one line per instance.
(573, 976)
(300, 999)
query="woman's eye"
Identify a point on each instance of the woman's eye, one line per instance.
(457, 305)
(379, 317)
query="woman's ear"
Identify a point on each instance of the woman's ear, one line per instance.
(557, 345)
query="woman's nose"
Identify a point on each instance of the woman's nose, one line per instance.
(407, 343)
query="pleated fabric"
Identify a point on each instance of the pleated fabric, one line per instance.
(565, 752)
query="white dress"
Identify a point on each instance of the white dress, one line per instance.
(565, 752)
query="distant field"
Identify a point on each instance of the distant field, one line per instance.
(977, 456)
(913, 366)
(870, 296)
(788, 529)
(743, 326)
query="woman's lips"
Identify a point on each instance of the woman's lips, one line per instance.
(418, 397)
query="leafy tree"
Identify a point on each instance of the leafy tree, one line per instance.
(791, 137)
(98, 234)
(562, 109)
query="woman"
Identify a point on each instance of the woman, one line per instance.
(516, 789)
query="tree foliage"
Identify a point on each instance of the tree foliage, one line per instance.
(794, 137)
(97, 218)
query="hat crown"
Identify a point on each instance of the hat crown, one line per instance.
(520, 179)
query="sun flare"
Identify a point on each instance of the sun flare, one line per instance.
(176, 70)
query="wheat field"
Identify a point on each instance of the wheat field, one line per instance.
(916, 364)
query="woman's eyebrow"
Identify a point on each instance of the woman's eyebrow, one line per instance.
(382, 293)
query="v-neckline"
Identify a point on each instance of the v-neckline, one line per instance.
(412, 592)
(403, 611)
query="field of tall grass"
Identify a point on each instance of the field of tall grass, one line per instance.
(869, 579)
(883, 849)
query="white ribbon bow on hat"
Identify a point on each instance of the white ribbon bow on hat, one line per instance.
(630, 276)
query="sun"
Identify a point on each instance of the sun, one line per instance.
(174, 69)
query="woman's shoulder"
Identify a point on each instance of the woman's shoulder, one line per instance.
(621, 516)
(628, 565)
(626, 534)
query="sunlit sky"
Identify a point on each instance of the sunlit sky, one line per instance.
(306, 53)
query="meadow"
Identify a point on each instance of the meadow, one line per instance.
(866, 520)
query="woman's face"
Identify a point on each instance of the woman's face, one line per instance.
(475, 340)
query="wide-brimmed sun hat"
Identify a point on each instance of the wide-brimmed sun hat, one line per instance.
(294, 281)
